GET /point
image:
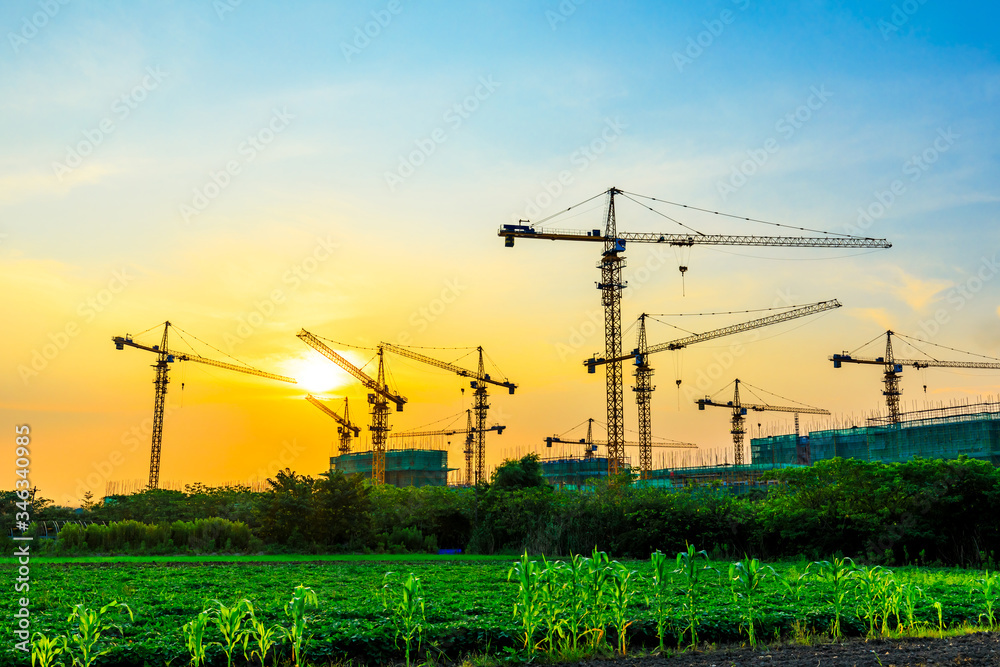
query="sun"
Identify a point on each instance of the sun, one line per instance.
(317, 375)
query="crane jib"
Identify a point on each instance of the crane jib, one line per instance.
(510, 232)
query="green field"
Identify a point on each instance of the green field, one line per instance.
(469, 603)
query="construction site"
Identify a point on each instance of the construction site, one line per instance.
(419, 457)
(971, 429)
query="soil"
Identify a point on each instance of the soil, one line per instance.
(973, 650)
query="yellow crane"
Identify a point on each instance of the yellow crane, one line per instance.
(480, 378)
(165, 357)
(591, 445)
(379, 398)
(346, 430)
(469, 432)
(643, 386)
(740, 408)
(893, 366)
(612, 261)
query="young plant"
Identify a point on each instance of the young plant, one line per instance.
(909, 594)
(46, 650)
(554, 603)
(661, 593)
(837, 573)
(595, 590)
(229, 621)
(573, 575)
(621, 595)
(940, 612)
(872, 585)
(528, 607)
(687, 566)
(988, 586)
(745, 577)
(194, 637)
(408, 615)
(91, 624)
(302, 597)
(263, 637)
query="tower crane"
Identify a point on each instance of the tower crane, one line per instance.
(611, 285)
(740, 408)
(893, 366)
(643, 386)
(347, 431)
(164, 357)
(379, 399)
(591, 445)
(469, 432)
(480, 378)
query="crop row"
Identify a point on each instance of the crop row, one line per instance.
(582, 604)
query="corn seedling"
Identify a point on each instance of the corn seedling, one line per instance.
(408, 615)
(302, 597)
(194, 638)
(229, 621)
(263, 637)
(621, 595)
(988, 586)
(661, 593)
(687, 566)
(837, 573)
(872, 585)
(940, 613)
(595, 589)
(573, 574)
(909, 594)
(91, 624)
(46, 651)
(527, 608)
(745, 577)
(551, 602)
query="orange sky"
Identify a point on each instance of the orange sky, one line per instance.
(244, 176)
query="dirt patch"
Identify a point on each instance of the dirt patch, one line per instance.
(982, 648)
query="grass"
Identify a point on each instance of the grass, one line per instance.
(261, 558)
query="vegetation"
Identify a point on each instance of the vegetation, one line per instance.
(918, 512)
(442, 611)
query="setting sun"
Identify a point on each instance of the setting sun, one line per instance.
(317, 375)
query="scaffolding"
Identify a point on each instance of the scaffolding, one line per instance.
(574, 472)
(972, 429)
(733, 478)
(403, 467)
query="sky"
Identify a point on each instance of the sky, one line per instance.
(246, 169)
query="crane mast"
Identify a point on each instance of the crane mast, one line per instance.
(164, 357)
(480, 379)
(611, 263)
(643, 399)
(591, 445)
(346, 430)
(643, 387)
(892, 367)
(379, 398)
(740, 408)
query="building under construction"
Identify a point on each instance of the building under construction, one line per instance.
(940, 433)
(403, 467)
(574, 473)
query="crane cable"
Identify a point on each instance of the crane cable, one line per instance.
(741, 217)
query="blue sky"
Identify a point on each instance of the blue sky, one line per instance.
(884, 107)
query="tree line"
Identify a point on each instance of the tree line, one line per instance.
(921, 511)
